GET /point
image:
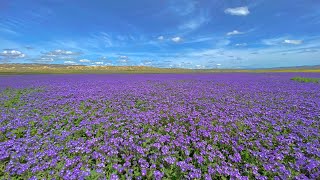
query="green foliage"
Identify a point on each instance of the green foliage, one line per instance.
(19, 132)
(14, 96)
(77, 121)
(3, 165)
(33, 132)
(305, 80)
(94, 175)
(80, 134)
(3, 137)
(289, 158)
(286, 131)
(247, 157)
(227, 147)
(241, 126)
(139, 104)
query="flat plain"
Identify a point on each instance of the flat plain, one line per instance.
(159, 126)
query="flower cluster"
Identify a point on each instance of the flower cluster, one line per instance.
(160, 126)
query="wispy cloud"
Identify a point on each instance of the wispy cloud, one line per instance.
(8, 31)
(308, 51)
(234, 32)
(281, 40)
(195, 22)
(160, 38)
(222, 43)
(291, 41)
(273, 41)
(201, 39)
(182, 7)
(146, 62)
(60, 52)
(312, 17)
(106, 38)
(238, 11)
(29, 47)
(11, 25)
(176, 39)
(46, 60)
(241, 44)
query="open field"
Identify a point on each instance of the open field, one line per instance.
(64, 69)
(159, 126)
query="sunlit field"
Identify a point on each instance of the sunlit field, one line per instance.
(160, 126)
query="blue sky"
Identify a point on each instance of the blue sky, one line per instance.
(163, 33)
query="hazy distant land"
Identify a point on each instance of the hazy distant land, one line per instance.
(71, 69)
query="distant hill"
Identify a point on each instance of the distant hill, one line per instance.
(300, 67)
(70, 69)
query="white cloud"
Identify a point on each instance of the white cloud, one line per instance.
(85, 60)
(123, 60)
(241, 44)
(42, 60)
(176, 39)
(238, 11)
(69, 62)
(291, 41)
(123, 57)
(104, 59)
(270, 56)
(12, 54)
(46, 59)
(60, 52)
(98, 63)
(272, 41)
(146, 62)
(281, 40)
(160, 38)
(66, 58)
(234, 32)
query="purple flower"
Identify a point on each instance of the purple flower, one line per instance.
(74, 126)
(158, 175)
(144, 172)
(170, 160)
(114, 177)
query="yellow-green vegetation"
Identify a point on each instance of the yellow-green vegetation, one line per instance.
(305, 80)
(78, 69)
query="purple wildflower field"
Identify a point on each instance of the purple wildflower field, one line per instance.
(159, 126)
